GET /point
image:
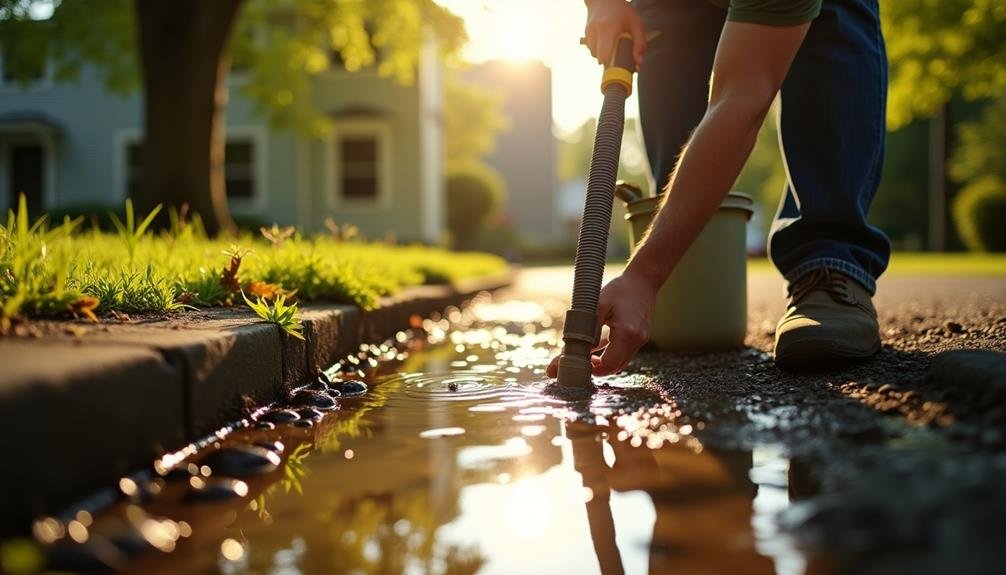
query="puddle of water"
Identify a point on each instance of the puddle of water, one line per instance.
(459, 463)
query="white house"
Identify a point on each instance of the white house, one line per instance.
(75, 144)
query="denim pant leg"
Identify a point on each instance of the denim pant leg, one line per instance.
(831, 126)
(674, 78)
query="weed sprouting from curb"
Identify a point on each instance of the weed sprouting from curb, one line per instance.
(285, 316)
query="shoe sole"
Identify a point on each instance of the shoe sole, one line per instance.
(811, 354)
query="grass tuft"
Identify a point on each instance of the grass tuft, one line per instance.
(62, 271)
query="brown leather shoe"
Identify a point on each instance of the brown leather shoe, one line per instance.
(830, 319)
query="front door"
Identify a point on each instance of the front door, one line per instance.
(27, 163)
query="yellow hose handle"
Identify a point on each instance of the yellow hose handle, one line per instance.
(622, 65)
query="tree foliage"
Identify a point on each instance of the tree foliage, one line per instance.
(185, 48)
(981, 145)
(941, 47)
(80, 32)
(281, 43)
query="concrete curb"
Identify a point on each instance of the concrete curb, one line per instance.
(78, 412)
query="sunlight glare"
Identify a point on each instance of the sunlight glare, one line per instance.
(521, 30)
(528, 509)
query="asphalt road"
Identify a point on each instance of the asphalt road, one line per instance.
(890, 471)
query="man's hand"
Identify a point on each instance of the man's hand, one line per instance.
(626, 307)
(606, 21)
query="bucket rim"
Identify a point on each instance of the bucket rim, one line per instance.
(733, 201)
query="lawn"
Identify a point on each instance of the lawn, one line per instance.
(928, 264)
(65, 270)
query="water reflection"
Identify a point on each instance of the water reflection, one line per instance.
(702, 502)
(457, 463)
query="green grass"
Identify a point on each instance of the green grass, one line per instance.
(948, 264)
(923, 264)
(61, 270)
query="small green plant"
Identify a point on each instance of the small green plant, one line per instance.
(135, 291)
(31, 279)
(129, 232)
(285, 316)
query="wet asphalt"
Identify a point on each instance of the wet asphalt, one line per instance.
(890, 471)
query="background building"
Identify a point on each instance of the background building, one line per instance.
(75, 145)
(525, 153)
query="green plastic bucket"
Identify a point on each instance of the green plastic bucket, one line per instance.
(703, 304)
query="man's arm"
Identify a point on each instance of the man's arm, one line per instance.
(751, 63)
(750, 66)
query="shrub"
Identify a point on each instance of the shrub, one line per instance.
(95, 215)
(474, 193)
(979, 212)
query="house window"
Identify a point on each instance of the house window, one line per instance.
(361, 160)
(359, 177)
(134, 162)
(26, 175)
(239, 168)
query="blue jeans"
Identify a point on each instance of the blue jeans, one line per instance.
(831, 124)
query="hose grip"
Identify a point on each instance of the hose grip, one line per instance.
(580, 326)
(622, 65)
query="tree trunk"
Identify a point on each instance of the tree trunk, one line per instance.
(184, 62)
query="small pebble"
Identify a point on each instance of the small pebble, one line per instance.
(265, 425)
(220, 489)
(280, 416)
(308, 398)
(317, 385)
(242, 460)
(351, 387)
(276, 447)
(453, 386)
(306, 423)
(953, 327)
(348, 369)
(310, 413)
